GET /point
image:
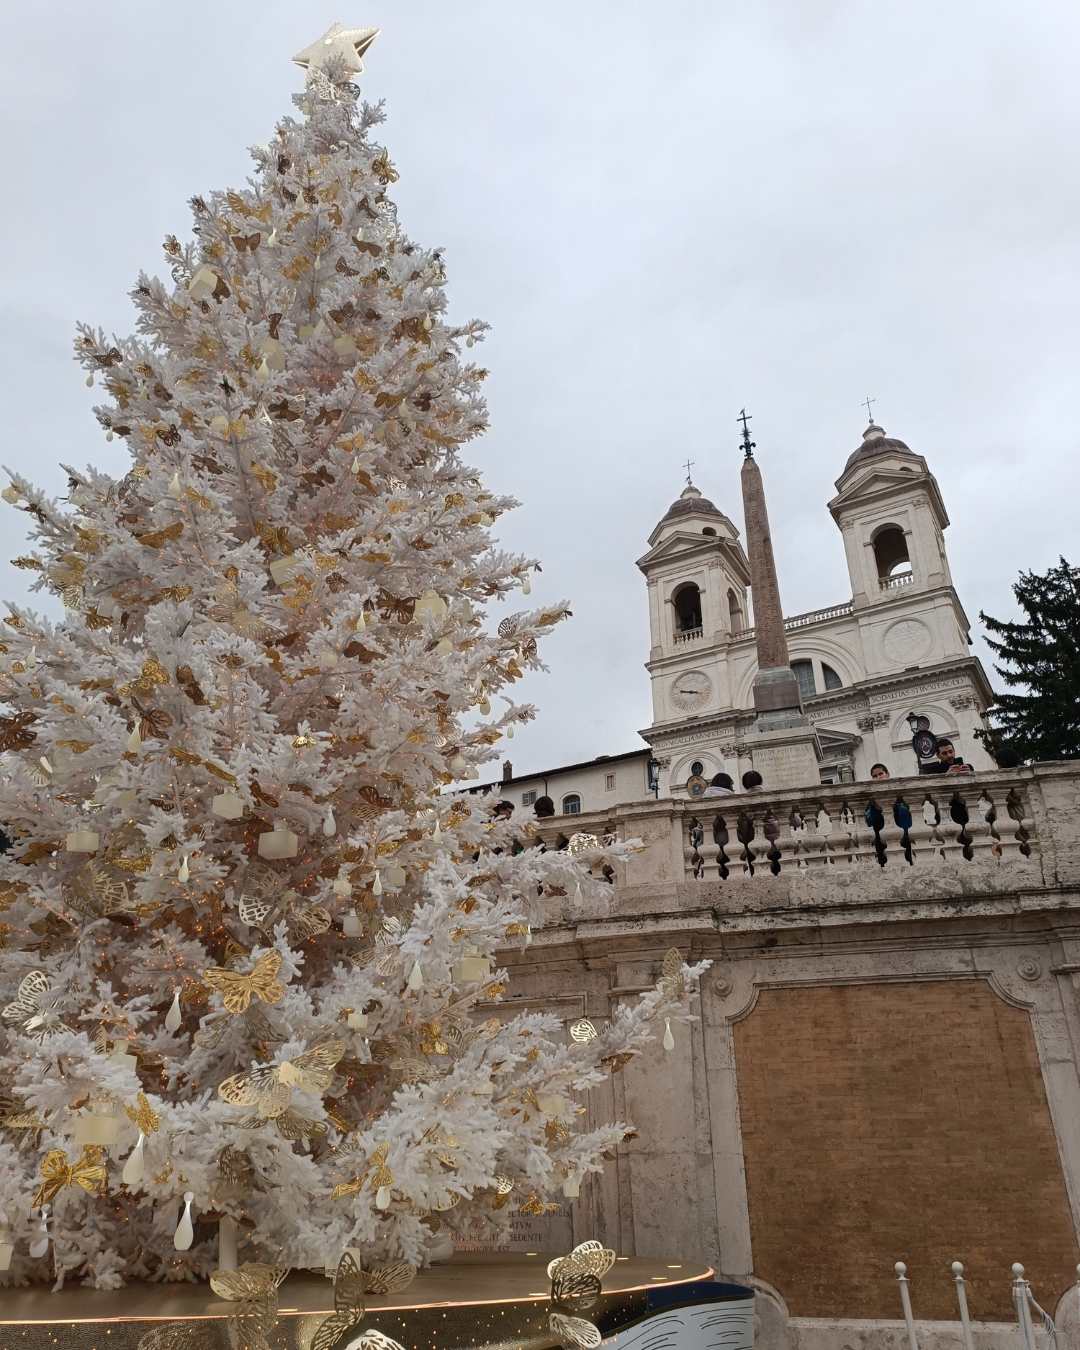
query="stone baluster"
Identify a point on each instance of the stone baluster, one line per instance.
(1014, 804)
(902, 819)
(988, 811)
(825, 830)
(745, 832)
(799, 832)
(959, 814)
(932, 821)
(771, 830)
(875, 820)
(721, 838)
(696, 835)
(849, 832)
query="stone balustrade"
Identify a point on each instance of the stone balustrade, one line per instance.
(688, 635)
(895, 582)
(850, 847)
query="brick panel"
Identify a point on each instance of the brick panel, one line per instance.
(902, 1121)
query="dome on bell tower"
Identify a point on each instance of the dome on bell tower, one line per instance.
(874, 443)
(692, 502)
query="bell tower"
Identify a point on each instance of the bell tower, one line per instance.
(697, 577)
(890, 511)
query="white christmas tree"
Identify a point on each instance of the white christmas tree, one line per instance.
(249, 942)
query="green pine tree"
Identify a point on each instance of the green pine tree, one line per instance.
(1040, 662)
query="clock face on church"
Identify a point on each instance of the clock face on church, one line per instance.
(691, 690)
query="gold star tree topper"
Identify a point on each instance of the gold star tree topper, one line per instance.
(347, 45)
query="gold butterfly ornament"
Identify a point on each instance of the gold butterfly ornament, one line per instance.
(575, 1288)
(351, 1283)
(56, 1173)
(269, 1089)
(238, 990)
(30, 1012)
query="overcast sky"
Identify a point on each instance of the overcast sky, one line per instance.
(666, 212)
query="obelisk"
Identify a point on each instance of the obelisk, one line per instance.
(783, 745)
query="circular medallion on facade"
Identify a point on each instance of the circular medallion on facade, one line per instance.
(691, 690)
(907, 642)
(695, 786)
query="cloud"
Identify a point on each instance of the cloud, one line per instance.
(666, 214)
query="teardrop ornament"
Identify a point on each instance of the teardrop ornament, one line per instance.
(185, 1231)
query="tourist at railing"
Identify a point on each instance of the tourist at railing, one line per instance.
(879, 771)
(947, 760)
(543, 807)
(752, 780)
(721, 786)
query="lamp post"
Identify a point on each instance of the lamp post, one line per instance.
(653, 770)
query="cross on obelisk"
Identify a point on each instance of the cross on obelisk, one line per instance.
(747, 444)
(869, 411)
(688, 466)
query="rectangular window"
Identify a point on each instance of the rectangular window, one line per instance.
(528, 798)
(609, 782)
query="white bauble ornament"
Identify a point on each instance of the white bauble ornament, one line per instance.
(416, 977)
(376, 885)
(219, 426)
(669, 1038)
(341, 886)
(185, 1231)
(135, 1166)
(174, 1017)
(41, 1246)
(357, 1021)
(184, 872)
(572, 1187)
(11, 495)
(526, 586)
(176, 488)
(382, 1198)
(329, 825)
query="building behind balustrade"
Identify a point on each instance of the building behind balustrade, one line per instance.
(886, 1064)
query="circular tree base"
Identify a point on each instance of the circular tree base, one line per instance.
(473, 1301)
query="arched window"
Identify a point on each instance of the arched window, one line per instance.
(804, 673)
(687, 602)
(571, 804)
(890, 552)
(735, 614)
(832, 680)
(708, 529)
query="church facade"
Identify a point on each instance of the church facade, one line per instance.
(898, 644)
(885, 1064)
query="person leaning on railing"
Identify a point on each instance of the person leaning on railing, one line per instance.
(947, 760)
